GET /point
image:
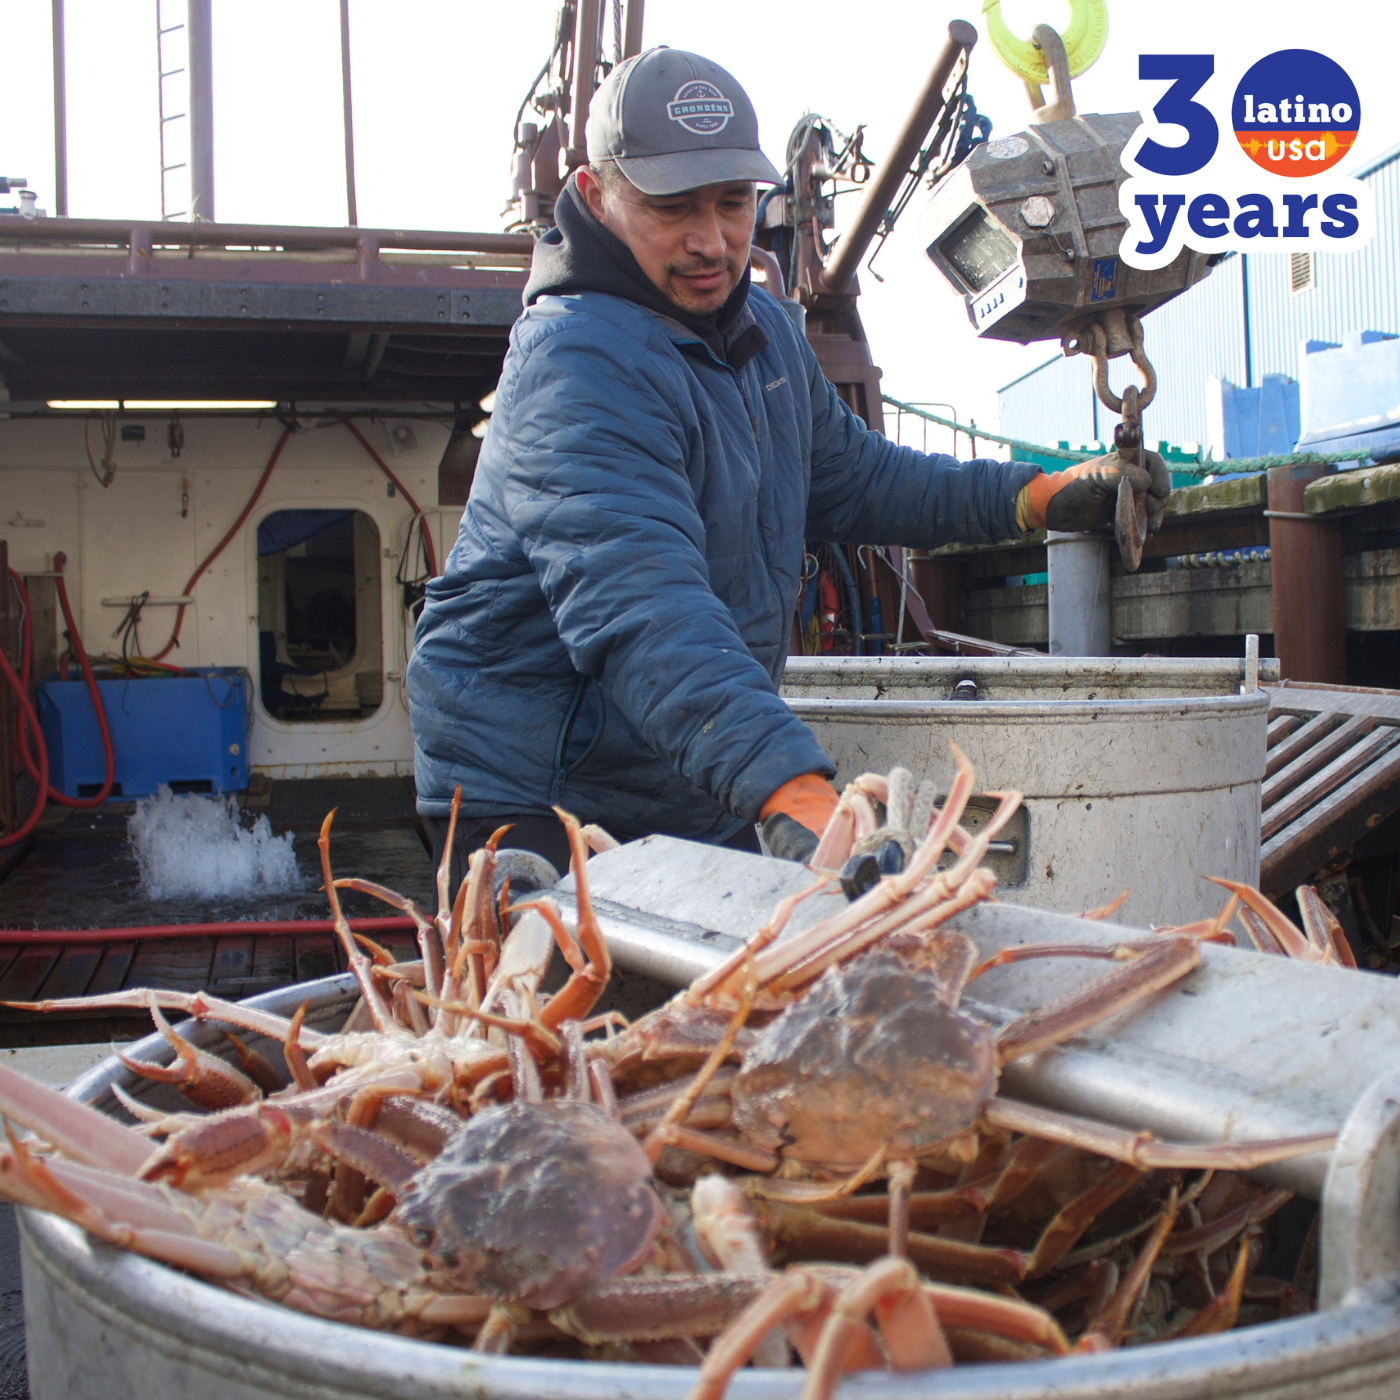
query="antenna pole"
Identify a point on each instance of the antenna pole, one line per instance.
(350, 203)
(60, 116)
(201, 66)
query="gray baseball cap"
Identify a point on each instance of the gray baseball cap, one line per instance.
(674, 121)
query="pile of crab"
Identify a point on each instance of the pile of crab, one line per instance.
(802, 1157)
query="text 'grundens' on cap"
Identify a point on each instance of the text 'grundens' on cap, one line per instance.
(674, 121)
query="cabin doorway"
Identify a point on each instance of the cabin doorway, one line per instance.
(320, 625)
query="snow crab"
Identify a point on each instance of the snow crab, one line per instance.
(473, 1158)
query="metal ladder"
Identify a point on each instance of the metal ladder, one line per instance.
(167, 168)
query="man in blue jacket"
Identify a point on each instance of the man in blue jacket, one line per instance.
(610, 629)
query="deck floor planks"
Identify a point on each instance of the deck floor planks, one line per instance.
(111, 972)
(180, 963)
(72, 974)
(274, 959)
(26, 974)
(316, 956)
(233, 960)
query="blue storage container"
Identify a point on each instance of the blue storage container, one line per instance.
(189, 732)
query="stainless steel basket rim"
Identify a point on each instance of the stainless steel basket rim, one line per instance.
(1073, 710)
(1363, 1332)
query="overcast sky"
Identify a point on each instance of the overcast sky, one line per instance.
(437, 83)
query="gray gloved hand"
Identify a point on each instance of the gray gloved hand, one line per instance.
(1084, 496)
(788, 839)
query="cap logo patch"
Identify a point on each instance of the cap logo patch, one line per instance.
(700, 107)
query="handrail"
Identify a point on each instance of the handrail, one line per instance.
(369, 242)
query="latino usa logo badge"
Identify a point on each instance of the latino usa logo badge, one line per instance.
(1296, 113)
(1275, 188)
(700, 107)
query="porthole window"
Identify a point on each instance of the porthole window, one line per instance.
(320, 628)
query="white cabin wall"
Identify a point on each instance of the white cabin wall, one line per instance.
(130, 537)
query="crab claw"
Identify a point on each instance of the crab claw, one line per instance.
(204, 1079)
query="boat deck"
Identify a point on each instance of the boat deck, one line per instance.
(80, 873)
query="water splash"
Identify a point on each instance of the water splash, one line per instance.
(195, 846)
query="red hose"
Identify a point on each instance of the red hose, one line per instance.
(253, 500)
(402, 490)
(11, 936)
(39, 769)
(27, 716)
(222, 544)
(75, 645)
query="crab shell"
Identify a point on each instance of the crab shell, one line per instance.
(532, 1202)
(870, 1057)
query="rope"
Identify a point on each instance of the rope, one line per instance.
(1199, 467)
(974, 432)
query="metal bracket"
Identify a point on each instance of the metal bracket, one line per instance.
(1361, 1196)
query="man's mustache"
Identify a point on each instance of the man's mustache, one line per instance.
(701, 266)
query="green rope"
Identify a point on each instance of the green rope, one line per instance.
(1180, 466)
(1258, 464)
(975, 432)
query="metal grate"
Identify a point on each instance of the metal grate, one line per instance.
(1300, 272)
(1332, 773)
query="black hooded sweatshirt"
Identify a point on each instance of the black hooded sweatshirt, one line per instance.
(580, 255)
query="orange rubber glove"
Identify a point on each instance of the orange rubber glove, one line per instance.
(808, 799)
(1084, 496)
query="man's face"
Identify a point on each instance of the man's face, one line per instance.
(693, 246)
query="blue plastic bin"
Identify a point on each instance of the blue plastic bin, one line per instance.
(188, 732)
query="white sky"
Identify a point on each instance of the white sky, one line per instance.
(438, 81)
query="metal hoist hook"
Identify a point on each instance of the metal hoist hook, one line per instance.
(1120, 333)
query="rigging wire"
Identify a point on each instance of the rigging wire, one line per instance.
(109, 443)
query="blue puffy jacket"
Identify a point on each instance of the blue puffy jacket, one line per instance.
(612, 622)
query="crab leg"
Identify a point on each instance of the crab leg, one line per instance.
(958, 886)
(1064, 1231)
(1125, 986)
(380, 1015)
(444, 870)
(793, 1293)
(804, 1234)
(1293, 941)
(1105, 1331)
(72, 1128)
(429, 944)
(199, 1005)
(1323, 927)
(884, 895)
(1126, 951)
(577, 997)
(730, 1237)
(928, 910)
(663, 1134)
(1222, 1312)
(1144, 1151)
(1218, 1233)
(1258, 934)
(908, 1326)
(736, 960)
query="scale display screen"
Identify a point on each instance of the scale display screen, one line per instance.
(976, 249)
